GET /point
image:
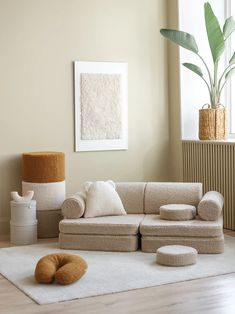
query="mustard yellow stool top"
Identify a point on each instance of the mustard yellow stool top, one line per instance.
(43, 167)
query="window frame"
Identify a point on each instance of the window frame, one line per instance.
(228, 87)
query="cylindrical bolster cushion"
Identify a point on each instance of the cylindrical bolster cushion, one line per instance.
(43, 167)
(48, 195)
(74, 206)
(211, 205)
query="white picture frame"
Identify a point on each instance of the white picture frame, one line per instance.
(119, 68)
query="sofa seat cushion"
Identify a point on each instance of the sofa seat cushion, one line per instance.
(152, 225)
(109, 225)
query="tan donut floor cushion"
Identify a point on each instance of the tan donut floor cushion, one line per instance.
(177, 212)
(43, 167)
(176, 255)
(64, 268)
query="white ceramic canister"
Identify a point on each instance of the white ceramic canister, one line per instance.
(23, 212)
(23, 234)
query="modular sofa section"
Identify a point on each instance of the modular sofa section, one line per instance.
(109, 225)
(99, 242)
(202, 245)
(142, 201)
(153, 225)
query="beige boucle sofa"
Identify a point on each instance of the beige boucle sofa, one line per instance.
(142, 226)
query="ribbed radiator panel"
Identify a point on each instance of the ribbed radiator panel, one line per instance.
(213, 164)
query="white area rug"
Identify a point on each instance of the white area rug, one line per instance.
(108, 272)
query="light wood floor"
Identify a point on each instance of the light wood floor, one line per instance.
(208, 295)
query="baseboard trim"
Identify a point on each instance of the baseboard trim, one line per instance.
(4, 226)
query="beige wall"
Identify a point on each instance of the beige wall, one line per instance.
(39, 41)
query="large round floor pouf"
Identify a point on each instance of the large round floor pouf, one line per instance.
(64, 268)
(176, 255)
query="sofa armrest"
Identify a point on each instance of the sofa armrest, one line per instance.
(74, 206)
(211, 205)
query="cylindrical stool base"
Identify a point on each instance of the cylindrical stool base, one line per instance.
(48, 223)
(48, 195)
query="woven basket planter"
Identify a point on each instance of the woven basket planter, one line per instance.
(213, 123)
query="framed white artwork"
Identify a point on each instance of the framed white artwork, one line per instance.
(101, 106)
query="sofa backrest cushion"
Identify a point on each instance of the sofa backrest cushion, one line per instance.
(132, 196)
(162, 193)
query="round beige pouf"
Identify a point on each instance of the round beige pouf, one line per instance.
(177, 212)
(176, 255)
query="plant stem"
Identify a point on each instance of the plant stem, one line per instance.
(215, 90)
(208, 71)
(215, 73)
(222, 88)
(220, 80)
(207, 85)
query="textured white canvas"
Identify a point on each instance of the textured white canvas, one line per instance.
(101, 106)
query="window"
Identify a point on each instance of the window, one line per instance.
(193, 91)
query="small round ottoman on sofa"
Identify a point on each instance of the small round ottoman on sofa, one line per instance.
(176, 255)
(177, 212)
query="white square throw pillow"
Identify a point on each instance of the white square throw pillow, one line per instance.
(103, 200)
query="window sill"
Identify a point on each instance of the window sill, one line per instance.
(230, 140)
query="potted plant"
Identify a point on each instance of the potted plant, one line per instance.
(213, 120)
